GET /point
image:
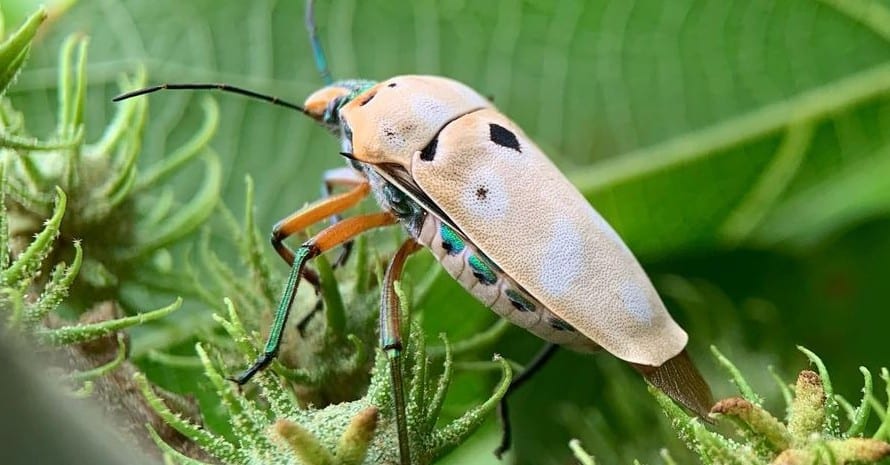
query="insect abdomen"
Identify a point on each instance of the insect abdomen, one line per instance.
(476, 273)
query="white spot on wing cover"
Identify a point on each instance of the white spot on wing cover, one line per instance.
(637, 301)
(564, 258)
(429, 108)
(485, 195)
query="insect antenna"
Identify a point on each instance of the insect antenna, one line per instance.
(321, 61)
(210, 86)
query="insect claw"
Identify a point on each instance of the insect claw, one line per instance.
(261, 362)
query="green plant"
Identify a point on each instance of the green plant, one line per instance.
(810, 435)
(76, 200)
(110, 201)
(28, 296)
(739, 144)
(278, 431)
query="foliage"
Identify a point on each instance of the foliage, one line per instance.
(110, 200)
(810, 434)
(28, 298)
(357, 419)
(350, 433)
(739, 147)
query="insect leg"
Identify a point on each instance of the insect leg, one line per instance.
(298, 221)
(503, 411)
(345, 176)
(330, 206)
(391, 340)
(313, 214)
(327, 239)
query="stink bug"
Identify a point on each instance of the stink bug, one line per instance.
(468, 184)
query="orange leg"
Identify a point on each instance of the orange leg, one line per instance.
(347, 177)
(390, 321)
(315, 213)
(325, 240)
(329, 207)
(391, 340)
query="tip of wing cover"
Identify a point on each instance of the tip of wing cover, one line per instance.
(682, 382)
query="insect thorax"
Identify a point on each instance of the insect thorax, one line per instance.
(390, 198)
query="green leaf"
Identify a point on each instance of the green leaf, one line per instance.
(738, 379)
(670, 120)
(856, 191)
(580, 453)
(22, 271)
(670, 116)
(859, 418)
(77, 333)
(189, 217)
(204, 438)
(17, 11)
(14, 50)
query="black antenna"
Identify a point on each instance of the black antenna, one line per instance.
(210, 86)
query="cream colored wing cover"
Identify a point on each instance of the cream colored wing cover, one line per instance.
(508, 198)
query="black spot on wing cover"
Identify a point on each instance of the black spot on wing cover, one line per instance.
(429, 152)
(367, 99)
(503, 137)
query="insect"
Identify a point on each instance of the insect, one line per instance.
(469, 185)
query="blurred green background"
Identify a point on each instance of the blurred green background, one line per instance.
(742, 149)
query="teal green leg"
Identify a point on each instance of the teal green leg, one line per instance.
(325, 240)
(301, 256)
